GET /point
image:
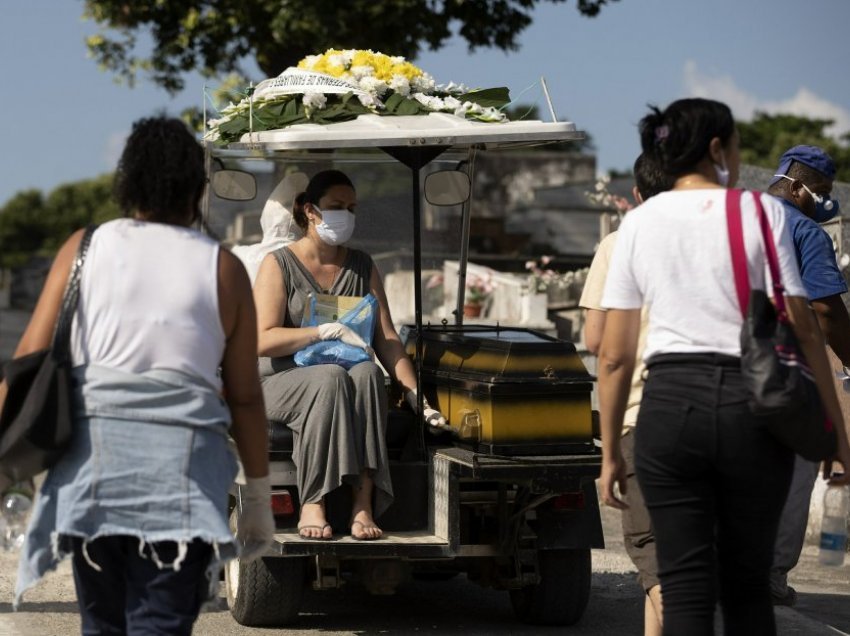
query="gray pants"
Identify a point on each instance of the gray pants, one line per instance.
(338, 419)
(792, 524)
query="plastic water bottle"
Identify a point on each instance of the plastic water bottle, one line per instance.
(4, 539)
(833, 532)
(16, 508)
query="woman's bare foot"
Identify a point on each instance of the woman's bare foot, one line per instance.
(363, 525)
(312, 524)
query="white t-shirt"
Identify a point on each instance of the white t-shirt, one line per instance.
(591, 298)
(672, 254)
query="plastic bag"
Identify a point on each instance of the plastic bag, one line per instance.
(360, 319)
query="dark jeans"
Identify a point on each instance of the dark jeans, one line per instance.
(715, 482)
(131, 594)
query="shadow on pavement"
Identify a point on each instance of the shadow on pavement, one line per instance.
(42, 608)
(829, 609)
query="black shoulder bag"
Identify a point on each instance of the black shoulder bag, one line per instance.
(35, 423)
(780, 383)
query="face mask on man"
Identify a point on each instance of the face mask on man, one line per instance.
(826, 208)
(336, 227)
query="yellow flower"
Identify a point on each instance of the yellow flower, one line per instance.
(337, 63)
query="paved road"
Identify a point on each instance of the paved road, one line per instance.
(455, 607)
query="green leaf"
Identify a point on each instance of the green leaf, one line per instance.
(409, 107)
(496, 97)
(392, 102)
(292, 108)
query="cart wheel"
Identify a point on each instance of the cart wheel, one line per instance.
(560, 597)
(265, 592)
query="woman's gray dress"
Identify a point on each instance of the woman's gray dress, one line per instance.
(338, 418)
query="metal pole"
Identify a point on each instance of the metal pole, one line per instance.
(548, 98)
(417, 296)
(464, 244)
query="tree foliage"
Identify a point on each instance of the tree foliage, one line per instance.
(32, 224)
(766, 137)
(216, 36)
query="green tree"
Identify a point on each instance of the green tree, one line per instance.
(32, 224)
(217, 36)
(21, 229)
(766, 137)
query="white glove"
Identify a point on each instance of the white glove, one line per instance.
(845, 378)
(255, 526)
(432, 417)
(339, 331)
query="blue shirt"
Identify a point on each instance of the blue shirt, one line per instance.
(815, 255)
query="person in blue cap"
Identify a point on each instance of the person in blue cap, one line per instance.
(803, 183)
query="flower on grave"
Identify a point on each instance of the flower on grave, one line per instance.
(356, 82)
(436, 280)
(601, 196)
(479, 288)
(541, 277)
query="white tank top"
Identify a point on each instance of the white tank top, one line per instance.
(149, 300)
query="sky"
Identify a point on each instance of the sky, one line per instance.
(63, 119)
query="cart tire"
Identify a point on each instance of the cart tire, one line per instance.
(265, 592)
(561, 596)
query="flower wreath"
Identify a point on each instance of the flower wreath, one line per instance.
(340, 85)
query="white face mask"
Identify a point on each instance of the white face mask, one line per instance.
(722, 172)
(336, 227)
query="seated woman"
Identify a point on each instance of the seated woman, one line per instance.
(338, 417)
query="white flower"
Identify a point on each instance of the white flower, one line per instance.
(423, 83)
(429, 101)
(336, 60)
(315, 100)
(373, 85)
(348, 56)
(400, 85)
(361, 71)
(491, 113)
(370, 101)
(454, 89)
(451, 103)
(397, 59)
(310, 61)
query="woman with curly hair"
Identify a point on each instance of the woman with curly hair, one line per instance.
(164, 327)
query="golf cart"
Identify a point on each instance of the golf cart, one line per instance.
(507, 496)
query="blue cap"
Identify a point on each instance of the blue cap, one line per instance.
(811, 156)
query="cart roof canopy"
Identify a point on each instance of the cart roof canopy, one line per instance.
(435, 129)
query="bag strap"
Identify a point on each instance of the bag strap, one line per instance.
(62, 334)
(772, 260)
(735, 229)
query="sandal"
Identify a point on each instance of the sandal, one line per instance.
(322, 537)
(364, 527)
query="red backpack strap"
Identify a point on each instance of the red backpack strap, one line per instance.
(735, 229)
(772, 257)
